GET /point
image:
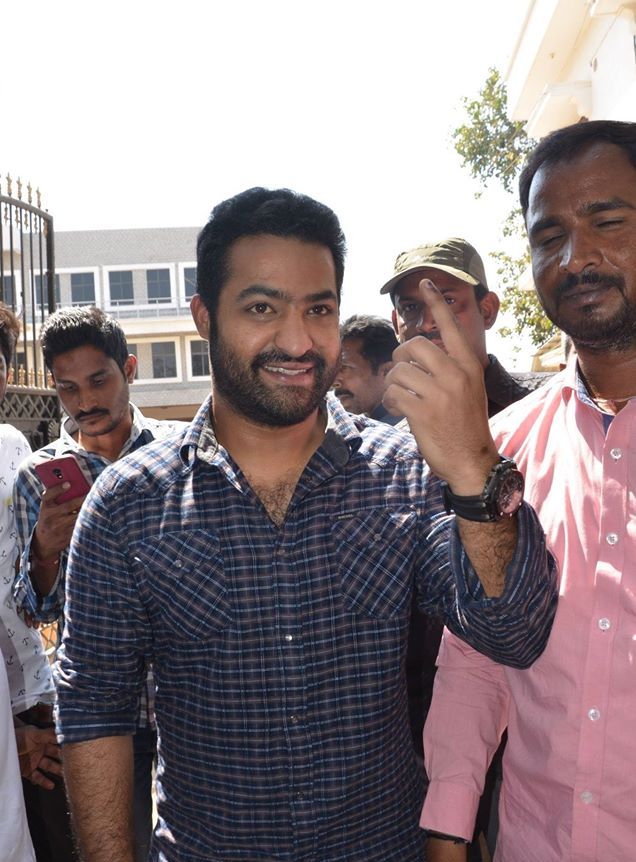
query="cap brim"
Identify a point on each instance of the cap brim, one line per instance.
(458, 273)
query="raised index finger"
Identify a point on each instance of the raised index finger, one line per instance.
(455, 342)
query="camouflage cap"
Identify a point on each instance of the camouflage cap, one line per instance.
(455, 256)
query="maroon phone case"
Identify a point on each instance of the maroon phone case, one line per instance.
(63, 469)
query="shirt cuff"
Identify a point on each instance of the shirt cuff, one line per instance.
(46, 609)
(450, 808)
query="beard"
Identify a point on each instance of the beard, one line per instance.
(589, 329)
(239, 383)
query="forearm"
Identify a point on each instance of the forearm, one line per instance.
(99, 783)
(490, 549)
(43, 572)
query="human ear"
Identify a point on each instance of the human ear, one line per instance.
(489, 309)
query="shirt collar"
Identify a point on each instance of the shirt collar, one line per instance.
(140, 426)
(342, 434)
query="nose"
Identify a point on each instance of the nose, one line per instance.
(579, 252)
(425, 322)
(293, 336)
(86, 400)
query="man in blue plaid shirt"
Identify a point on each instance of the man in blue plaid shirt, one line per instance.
(264, 560)
(87, 354)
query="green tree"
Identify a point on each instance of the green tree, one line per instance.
(493, 148)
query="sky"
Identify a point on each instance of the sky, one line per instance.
(147, 114)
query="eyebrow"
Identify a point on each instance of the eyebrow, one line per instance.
(588, 209)
(66, 380)
(275, 293)
(614, 203)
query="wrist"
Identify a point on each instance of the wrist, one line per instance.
(44, 562)
(472, 479)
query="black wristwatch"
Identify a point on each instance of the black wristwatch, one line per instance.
(501, 498)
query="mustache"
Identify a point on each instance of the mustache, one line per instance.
(570, 281)
(340, 392)
(84, 415)
(271, 357)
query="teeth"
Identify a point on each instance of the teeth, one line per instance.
(291, 371)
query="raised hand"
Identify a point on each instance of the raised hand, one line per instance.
(443, 397)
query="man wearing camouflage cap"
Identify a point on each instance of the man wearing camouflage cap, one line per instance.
(457, 270)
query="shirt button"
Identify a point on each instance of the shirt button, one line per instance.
(289, 638)
(594, 714)
(604, 624)
(611, 538)
(616, 453)
(178, 564)
(587, 797)
(295, 719)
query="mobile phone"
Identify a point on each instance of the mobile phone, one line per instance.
(63, 469)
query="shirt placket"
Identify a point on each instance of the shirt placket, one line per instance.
(294, 704)
(603, 624)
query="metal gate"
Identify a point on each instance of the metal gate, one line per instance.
(28, 287)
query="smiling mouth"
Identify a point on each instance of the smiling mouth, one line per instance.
(288, 372)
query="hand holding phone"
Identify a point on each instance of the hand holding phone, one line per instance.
(63, 469)
(59, 507)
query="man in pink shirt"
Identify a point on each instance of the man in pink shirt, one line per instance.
(570, 765)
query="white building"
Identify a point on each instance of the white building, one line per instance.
(573, 60)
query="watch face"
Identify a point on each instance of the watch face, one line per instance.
(510, 493)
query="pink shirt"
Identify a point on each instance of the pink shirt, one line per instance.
(569, 791)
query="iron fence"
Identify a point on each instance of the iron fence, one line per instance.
(27, 287)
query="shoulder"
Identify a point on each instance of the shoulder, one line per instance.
(12, 439)
(382, 442)
(521, 415)
(147, 470)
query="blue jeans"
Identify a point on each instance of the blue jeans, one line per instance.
(145, 753)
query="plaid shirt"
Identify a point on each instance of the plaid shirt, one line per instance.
(27, 492)
(278, 652)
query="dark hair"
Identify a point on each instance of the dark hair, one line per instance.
(9, 331)
(70, 328)
(569, 142)
(376, 334)
(258, 212)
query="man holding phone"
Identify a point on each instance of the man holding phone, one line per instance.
(86, 352)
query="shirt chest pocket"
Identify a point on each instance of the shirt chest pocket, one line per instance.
(374, 552)
(185, 578)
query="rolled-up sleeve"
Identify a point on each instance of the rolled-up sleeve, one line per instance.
(100, 677)
(512, 628)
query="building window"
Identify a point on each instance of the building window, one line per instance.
(199, 359)
(42, 300)
(158, 281)
(8, 291)
(190, 281)
(82, 288)
(120, 283)
(164, 359)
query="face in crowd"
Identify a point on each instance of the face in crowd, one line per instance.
(275, 343)
(411, 317)
(93, 389)
(358, 385)
(581, 221)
